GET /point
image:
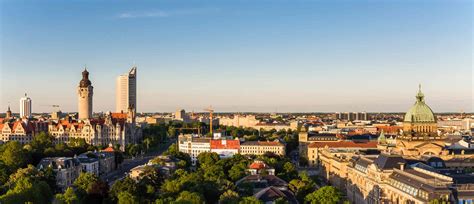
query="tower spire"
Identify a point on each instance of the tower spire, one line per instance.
(420, 96)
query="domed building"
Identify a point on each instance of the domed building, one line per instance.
(419, 136)
(420, 119)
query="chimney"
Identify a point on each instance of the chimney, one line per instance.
(402, 166)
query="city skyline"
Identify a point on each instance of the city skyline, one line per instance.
(312, 57)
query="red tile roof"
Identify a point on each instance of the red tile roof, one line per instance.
(225, 144)
(258, 165)
(119, 115)
(108, 149)
(344, 144)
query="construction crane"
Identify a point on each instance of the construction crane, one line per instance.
(211, 111)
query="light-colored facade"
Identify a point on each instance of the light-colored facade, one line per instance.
(85, 92)
(25, 107)
(89, 165)
(261, 147)
(126, 91)
(67, 169)
(193, 146)
(115, 128)
(239, 121)
(22, 131)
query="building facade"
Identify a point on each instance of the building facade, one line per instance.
(22, 131)
(67, 169)
(126, 91)
(25, 107)
(193, 146)
(262, 147)
(419, 135)
(115, 128)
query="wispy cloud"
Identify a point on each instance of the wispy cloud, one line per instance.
(167, 13)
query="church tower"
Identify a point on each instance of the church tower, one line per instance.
(84, 95)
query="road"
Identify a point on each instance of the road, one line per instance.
(129, 164)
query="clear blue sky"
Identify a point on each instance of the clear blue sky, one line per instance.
(241, 55)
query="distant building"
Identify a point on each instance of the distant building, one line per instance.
(351, 116)
(22, 131)
(25, 107)
(348, 148)
(126, 91)
(420, 131)
(193, 146)
(262, 147)
(67, 169)
(225, 148)
(89, 165)
(115, 128)
(85, 93)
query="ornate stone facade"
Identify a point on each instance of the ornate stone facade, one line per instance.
(115, 128)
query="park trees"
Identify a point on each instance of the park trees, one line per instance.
(326, 194)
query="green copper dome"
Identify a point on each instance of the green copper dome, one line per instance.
(420, 112)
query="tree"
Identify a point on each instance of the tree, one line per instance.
(250, 200)
(125, 185)
(69, 197)
(229, 197)
(326, 194)
(13, 156)
(189, 197)
(42, 141)
(28, 190)
(237, 171)
(207, 158)
(85, 180)
(126, 198)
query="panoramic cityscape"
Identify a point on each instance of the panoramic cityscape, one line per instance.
(363, 102)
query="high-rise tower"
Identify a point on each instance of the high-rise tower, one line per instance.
(126, 91)
(25, 107)
(84, 95)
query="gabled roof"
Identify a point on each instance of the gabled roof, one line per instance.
(387, 161)
(271, 193)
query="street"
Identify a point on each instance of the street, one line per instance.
(129, 164)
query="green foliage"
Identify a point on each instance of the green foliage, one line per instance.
(207, 159)
(326, 194)
(127, 198)
(229, 197)
(189, 197)
(69, 197)
(13, 156)
(90, 188)
(28, 190)
(85, 180)
(125, 185)
(250, 200)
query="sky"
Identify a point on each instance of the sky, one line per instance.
(251, 55)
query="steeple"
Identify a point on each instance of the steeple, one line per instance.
(420, 97)
(9, 113)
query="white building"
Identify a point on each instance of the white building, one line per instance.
(126, 91)
(89, 165)
(25, 107)
(193, 146)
